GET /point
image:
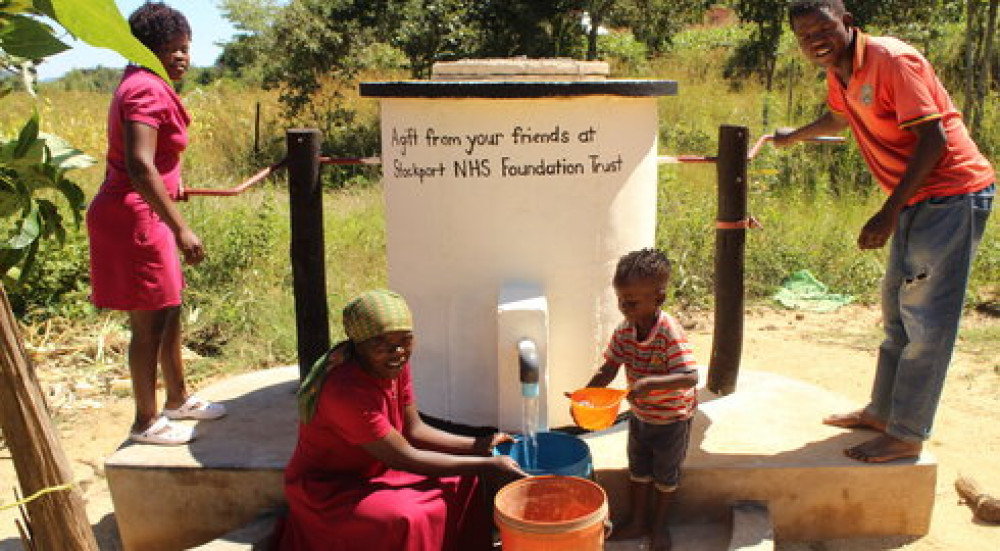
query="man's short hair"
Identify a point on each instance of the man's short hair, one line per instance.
(803, 7)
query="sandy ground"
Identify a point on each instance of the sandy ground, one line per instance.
(834, 351)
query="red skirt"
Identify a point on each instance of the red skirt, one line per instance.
(133, 255)
(396, 511)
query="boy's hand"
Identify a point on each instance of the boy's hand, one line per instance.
(878, 230)
(783, 137)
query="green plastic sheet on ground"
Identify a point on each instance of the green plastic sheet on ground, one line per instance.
(802, 291)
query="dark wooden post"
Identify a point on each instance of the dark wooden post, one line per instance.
(312, 322)
(256, 130)
(730, 247)
(58, 518)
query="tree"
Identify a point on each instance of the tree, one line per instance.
(759, 53)
(980, 31)
(532, 28)
(441, 30)
(655, 22)
(242, 57)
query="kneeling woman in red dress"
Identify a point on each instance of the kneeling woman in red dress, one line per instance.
(367, 472)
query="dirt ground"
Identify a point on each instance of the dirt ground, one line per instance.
(834, 351)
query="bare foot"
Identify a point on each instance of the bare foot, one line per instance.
(859, 419)
(661, 540)
(628, 530)
(884, 448)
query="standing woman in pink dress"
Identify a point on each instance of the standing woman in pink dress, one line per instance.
(136, 230)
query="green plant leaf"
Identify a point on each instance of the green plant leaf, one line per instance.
(99, 23)
(31, 228)
(29, 261)
(43, 6)
(52, 221)
(29, 38)
(27, 137)
(63, 155)
(74, 196)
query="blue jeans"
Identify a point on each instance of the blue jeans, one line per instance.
(923, 293)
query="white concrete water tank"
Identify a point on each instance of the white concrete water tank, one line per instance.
(506, 174)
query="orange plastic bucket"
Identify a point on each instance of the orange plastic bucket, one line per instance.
(551, 513)
(595, 408)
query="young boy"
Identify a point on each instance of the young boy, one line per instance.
(940, 193)
(661, 375)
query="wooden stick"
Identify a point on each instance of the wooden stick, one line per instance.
(59, 519)
(984, 506)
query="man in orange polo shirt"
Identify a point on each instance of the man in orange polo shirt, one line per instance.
(940, 193)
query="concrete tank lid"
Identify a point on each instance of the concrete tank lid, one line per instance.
(520, 68)
(510, 89)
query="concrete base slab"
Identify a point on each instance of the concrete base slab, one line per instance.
(763, 443)
(168, 498)
(686, 537)
(255, 536)
(766, 443)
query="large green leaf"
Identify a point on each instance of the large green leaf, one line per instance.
(52, 221)
(29, 261)
(29, 38)
(27, 137)
(74, 196)
(99, 23)
(31, 228)
(63, 155)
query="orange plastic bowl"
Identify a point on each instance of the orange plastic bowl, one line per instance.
(595, 408)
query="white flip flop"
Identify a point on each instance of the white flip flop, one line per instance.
(196, 408)
(164, 433)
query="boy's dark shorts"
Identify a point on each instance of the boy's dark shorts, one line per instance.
(656, 452)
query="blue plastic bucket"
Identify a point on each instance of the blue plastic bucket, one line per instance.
(558, 453)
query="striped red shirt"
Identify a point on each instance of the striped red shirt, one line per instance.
(665, 350)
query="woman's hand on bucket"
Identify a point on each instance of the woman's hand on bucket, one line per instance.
(506, 465)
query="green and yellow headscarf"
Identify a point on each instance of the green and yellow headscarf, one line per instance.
(368, 315)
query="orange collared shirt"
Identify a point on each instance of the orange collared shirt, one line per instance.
(891, 89)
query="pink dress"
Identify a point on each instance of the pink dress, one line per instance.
(133, 254)
(340, 497)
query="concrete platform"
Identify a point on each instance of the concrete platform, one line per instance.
(177, 497)
(764, 443)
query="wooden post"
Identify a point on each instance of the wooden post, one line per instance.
(256, 130)
(307, 251)
(730, 247)
(59, 518)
